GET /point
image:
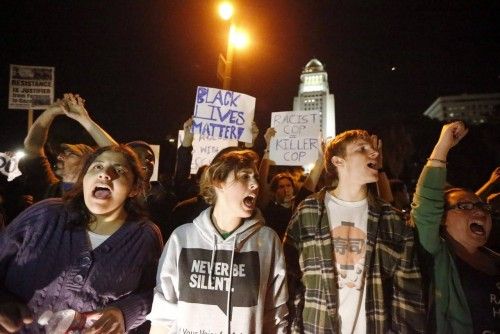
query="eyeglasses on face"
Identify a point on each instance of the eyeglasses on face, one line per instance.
(471, 206)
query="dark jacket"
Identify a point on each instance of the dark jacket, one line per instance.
(50, 266)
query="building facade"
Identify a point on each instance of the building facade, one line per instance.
(314, 94)
(474, 109)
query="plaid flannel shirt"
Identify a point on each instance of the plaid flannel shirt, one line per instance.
(394, 289)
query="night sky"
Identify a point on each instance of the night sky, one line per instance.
(137, 63)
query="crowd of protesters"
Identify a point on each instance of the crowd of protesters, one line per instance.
(248, 247)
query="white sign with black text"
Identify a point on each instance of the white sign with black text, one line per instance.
(205, 148)
(298, 137)
(31, 87)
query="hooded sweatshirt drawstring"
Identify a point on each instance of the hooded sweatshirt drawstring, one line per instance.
(214, 250)
(228, 307)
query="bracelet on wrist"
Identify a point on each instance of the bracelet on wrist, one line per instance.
(437, 160)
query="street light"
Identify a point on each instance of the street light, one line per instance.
(236, 39)
(226, 10)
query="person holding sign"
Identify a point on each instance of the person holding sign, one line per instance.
(350, 258)
(280, 196)
(41, 179)
(225, 271)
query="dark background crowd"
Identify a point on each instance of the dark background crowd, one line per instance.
(138, 65)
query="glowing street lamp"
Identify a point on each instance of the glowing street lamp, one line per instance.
(236, 39)
(226, 10)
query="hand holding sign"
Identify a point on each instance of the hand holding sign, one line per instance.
(255, 134)
(270, 133)
(187, 140)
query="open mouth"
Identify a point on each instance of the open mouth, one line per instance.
(102, 192)
(477, 229)
(249, 201)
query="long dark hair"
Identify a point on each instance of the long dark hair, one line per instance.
(74, 199)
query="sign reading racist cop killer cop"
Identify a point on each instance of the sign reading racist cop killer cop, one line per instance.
(297, 140)
(223, 114)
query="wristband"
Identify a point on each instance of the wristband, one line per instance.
(437, 160)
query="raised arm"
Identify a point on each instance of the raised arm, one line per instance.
(255, 133)
(265, 164)
(183, 162)
(312, 179)
(451, 134)
(37, 135)
(74, 107)
(428, 202)
(486, 188)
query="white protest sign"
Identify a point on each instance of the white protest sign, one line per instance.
(205, 148)
(297, 140)
(31, 87)
(9, 166)
(223, 114)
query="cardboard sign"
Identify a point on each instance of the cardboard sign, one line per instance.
(297, 140)
(31, 87)
(205, 148)
(223, 114)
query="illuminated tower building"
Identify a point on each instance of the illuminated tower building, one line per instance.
(314, 94)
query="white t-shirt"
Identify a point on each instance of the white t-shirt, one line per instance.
(96, 239)
(348, 222)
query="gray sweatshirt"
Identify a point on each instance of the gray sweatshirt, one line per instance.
(196, 291)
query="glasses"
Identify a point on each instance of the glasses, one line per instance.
(471, 206)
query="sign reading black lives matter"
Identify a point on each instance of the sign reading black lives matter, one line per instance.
(31, 87)
(223, 114)
(297, 140)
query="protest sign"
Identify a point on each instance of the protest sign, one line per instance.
(297, 140)
(31, 87)
(205, 148)
(223, 114)
(9, 166)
